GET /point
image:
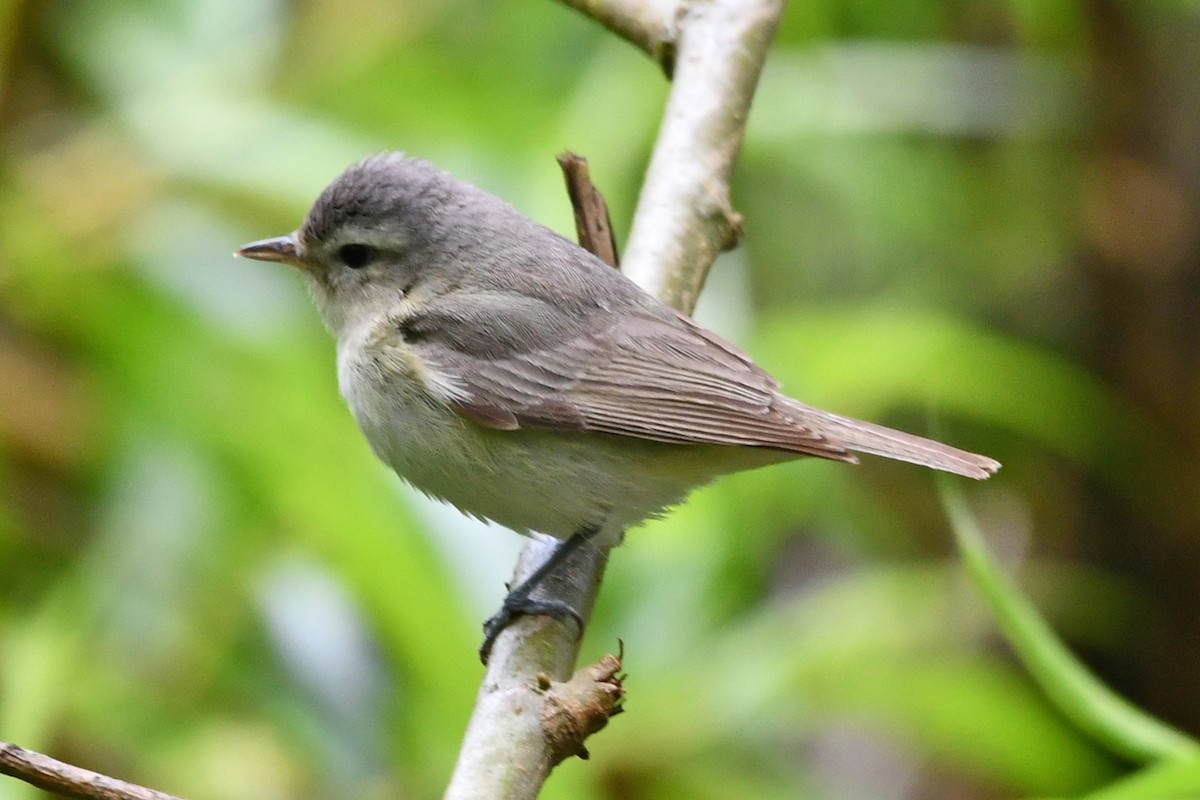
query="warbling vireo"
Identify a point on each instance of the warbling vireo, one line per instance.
(500, 367)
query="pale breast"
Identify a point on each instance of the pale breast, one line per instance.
(552, 482)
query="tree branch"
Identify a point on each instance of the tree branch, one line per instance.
(684, 218)
(683, 221)
(648, 24)
(63, 779)
(593, 226)
(527, 716)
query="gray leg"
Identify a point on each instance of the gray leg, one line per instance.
(519, 603)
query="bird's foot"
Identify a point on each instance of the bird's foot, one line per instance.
(518, 603)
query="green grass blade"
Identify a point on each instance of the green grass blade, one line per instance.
(1173, 780)
(1079, 695)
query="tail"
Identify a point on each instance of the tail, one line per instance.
(865, 437)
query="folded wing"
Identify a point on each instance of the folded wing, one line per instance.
(641, 375)
(659, 377)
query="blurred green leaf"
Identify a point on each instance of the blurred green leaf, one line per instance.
(867, 360)
(38, 657)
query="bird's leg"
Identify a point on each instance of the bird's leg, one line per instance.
(519, 601)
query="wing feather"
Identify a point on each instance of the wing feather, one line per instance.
(652, 377)
(535, 359)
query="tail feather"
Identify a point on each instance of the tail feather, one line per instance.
(876, 440)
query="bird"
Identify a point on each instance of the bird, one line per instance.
(498, 366)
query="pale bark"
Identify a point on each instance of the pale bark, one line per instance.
(67, 780)
(683, 221)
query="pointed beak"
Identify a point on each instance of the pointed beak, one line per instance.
(285, 249)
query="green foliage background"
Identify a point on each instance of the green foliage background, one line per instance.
(985, 211)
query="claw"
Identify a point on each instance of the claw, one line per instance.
(518, 604)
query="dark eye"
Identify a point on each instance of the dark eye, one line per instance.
(356, 256)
